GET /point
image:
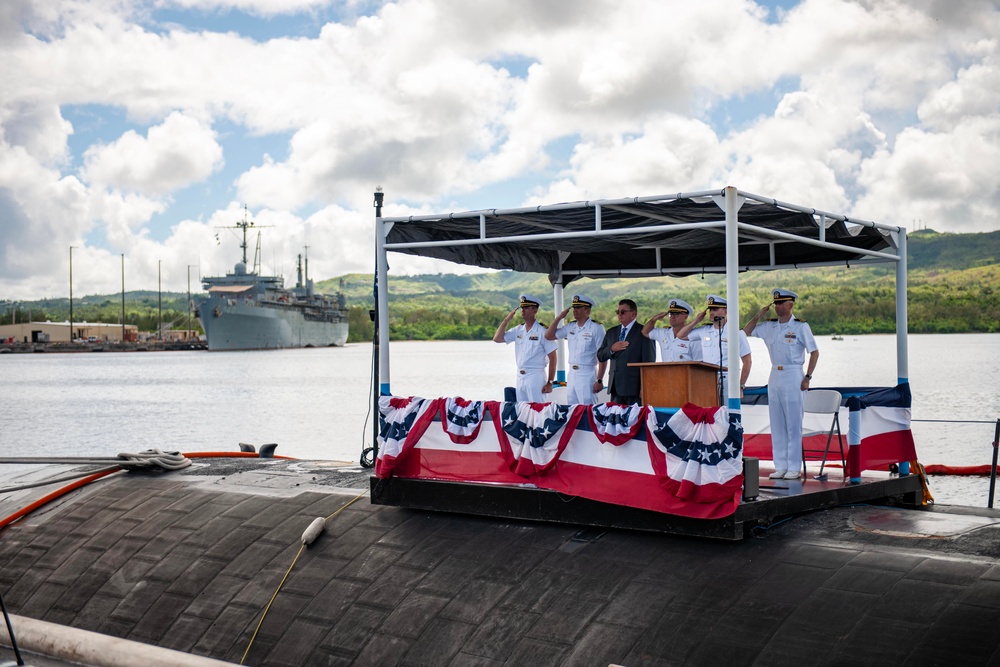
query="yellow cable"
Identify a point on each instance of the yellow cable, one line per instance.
(925, 489)
(284, 578)
(261, 622)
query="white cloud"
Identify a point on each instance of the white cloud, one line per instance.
(886, 108)
(257, 7)
(42, 214)
(670, 154)
(974, 92)
(173, 155)
(40, 130)
(944, 181)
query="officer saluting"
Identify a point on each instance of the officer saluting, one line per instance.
(714, 339)
(673, 348)
(584, 337)
(787, 340)
(531, 350)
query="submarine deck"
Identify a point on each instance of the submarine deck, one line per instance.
(189, 559)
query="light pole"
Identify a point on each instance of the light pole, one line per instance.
(71, 294)
(123, 298)
(188, 334)
(159, 300)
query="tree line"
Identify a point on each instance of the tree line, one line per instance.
(953, 287)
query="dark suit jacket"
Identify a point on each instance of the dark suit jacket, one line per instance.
(625, 381)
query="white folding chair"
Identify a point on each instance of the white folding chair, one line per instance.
(824, 402)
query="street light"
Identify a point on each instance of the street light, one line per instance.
(71, 294)
(189, 301)
(159, 300)
(123, 298)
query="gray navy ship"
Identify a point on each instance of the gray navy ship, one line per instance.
(247, 311)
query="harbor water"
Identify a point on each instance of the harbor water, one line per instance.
(315, 403)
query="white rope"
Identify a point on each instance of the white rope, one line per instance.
(154, 458)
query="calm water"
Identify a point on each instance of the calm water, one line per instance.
(314, 402)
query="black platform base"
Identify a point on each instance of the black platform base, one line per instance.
(774, 502)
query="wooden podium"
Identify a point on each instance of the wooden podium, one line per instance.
(671, 384)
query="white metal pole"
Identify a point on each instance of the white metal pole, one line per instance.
(557, 305)
(382, 295)
(902, 325)
(902, 322)
(733, 203)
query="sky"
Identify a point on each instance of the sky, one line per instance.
(148, 128)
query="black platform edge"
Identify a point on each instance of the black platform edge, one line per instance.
(897, 491)
(532, 504)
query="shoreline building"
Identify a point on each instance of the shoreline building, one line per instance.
(59, 332)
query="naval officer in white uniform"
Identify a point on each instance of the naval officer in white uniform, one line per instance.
(532, 351)
(787, 340)
(715, 335)
(584, 337)
(671, 347)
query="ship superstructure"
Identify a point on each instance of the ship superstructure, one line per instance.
(248, 311)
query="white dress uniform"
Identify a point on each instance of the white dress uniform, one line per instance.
(531, 350)
(673, 348)
(708, 335)
(583, 343)
(787, 344)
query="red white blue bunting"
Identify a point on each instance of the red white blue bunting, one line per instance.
(402, 422)
(537, 433)
(461, 419)
(667, 470)
(616, 424)
(700, 452)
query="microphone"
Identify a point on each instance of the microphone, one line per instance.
(717, 318)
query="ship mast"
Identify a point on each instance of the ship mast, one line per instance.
(244, 225)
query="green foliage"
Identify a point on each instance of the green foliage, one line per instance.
(143, 309)
(361, 327)
(954, 287)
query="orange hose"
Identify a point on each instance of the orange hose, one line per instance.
(83, 481)
(940, 469)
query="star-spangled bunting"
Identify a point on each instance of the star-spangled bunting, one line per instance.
(698, 451)
(461, 419)
(616, 424)
(402, 421)
(537, 433)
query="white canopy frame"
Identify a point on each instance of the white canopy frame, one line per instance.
(541, 229)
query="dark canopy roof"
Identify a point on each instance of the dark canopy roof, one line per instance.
(535, 239)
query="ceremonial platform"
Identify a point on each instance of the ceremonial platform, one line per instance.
(682, 472)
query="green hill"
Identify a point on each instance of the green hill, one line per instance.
(954, 287)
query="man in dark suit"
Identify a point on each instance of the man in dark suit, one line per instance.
(624, 345)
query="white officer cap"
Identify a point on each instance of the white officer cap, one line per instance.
(679, 306)
(580, 300)
(783, 295)
(528, 300)
(716, 301)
